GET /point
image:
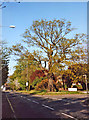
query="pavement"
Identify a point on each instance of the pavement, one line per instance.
(64, 96)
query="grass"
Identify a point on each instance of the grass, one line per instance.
(64, 92)
(44, 92)
(41, 92)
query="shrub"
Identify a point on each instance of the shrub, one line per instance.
(79, 86)
(36, 81)
(12, 86)
(37, 73)
(42, 85)
(22, 84)
(59, 85)
(75, 86)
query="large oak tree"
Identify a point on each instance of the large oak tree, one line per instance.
(53, 37)
(59, 47)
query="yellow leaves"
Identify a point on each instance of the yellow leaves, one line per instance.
(46, 33)
(58, 21)
(34, 38)
(69, 71)
(52, 32)
(53, 25)
(62, 44)
(62, 22)
(69, 29)
(59, 24)
(74, 40)
(34, 29)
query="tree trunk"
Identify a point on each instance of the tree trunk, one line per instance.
(45, 64)
(50, 74)
(63, 85)
(50, 83)
(29, 86)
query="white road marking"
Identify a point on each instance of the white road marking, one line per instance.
(46, 97)
(11, 107)
(47, 107)
(75, 102)
(35, 102)
(54, 98)
(59, 99)
(10, 104)
(29, 99)
(66, 103)
(15, 117)
(71, 102)
(69, 116)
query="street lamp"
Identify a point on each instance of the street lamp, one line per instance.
(27, 83)
(11, 26)
(86, 82)
(1, 42)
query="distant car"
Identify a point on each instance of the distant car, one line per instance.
(1, 87)
(4, 88)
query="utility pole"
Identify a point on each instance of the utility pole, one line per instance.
(85, 76)
(27, 77)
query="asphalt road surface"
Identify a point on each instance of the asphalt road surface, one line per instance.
(23, 106)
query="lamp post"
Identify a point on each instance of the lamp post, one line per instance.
(1, 42)
(11, 26)
(27, 83)
(86, 82)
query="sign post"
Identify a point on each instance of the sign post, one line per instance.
(27, 85)
(86, 82)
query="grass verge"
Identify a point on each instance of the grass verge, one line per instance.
(44, 92)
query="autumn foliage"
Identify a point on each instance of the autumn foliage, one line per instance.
(37, 73)
(55, 46)
(74, 74)
(42, 85)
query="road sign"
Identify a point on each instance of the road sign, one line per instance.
(26, 83)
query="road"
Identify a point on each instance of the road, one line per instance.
(17, 105)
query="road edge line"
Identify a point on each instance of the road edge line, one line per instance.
(11, 107)
(47, 107)
(68, 116)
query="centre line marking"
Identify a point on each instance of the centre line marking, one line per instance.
(66, 103)
(11, 107)
(69, 116)
(35, 102)
(54, 98)
(29, 99)
(59, 99)
(47, 107)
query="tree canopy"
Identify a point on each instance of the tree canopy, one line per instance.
(4, 55)
(59, 48)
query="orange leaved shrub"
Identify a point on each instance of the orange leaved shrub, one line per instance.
(42, 85)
